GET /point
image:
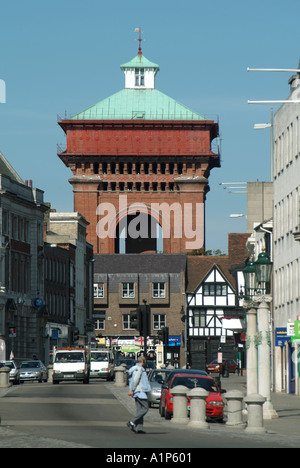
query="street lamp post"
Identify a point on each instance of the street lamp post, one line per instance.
(251, 342)
(257, 294)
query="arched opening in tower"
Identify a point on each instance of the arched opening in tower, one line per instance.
(138, 233)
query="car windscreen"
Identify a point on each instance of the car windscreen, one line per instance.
(129, 362)
(30, 365)
(158, 376)
(7, 364)
(69, 357)
(99, 357)
(193, 381)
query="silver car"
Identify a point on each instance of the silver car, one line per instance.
(156, 378)
(33, 370)
(14, 372)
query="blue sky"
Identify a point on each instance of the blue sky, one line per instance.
(60, 57)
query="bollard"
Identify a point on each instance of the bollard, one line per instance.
(255, 414)
(198, 398)
(4, 377)
(125, 374)
(50, 373)
(234, 409)
(179, 405)
(119, 373)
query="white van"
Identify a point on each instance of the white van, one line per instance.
(102, 364)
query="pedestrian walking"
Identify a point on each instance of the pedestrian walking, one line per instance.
(138, 388)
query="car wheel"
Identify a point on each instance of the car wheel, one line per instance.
(167, 414)
(161, 410)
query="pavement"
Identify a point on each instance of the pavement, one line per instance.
(284, 430)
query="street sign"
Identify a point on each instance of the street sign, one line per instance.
(281, 336)
(12, 332)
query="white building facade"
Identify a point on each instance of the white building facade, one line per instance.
(215, 319)
(286, 234)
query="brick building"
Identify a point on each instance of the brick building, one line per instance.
(141, 163)
(122, 282)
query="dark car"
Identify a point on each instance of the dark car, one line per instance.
(226, 365)
(214, 402)
(128, 362)
(150, 365)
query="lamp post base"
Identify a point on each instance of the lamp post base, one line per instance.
(268, 411)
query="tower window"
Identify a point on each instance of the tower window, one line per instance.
(139, 77)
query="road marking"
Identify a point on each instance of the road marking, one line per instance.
(74, 401)
(67, 423)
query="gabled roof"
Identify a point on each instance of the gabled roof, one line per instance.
(138, 104)
(7, 170)
(198, 268)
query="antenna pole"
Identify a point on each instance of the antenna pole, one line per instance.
(139, 30)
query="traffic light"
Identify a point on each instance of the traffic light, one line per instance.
(136, 319)
(146, 327)
(75, 335)
(140, 320)
(163, 335)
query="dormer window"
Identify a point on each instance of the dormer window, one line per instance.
(139, 77)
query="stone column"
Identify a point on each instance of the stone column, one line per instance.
(264, 356)
(251, 349)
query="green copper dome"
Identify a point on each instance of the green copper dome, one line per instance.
(139, 100)
(135, 104)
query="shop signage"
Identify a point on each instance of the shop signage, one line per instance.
(281, 336)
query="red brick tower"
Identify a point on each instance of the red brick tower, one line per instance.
(141, 163)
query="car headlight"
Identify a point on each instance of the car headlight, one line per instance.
(216, 403)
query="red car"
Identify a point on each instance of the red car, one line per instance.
(215, 366)
(214, 402)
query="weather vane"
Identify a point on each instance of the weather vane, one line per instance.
(139, 30)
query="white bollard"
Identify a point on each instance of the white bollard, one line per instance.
(179, 405)
(198, 408)
(50, 373)
(255, 414)
(119, 379)
(235, 409)
(4, 377)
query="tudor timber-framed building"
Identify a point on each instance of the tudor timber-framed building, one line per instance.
(141, 145)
